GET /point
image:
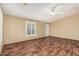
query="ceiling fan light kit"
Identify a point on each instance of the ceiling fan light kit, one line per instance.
(53, 10)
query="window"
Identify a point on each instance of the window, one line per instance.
(30, 28)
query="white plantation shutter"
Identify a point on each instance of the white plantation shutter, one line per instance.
(30, 28)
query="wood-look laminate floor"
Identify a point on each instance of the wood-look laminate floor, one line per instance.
(49, 46)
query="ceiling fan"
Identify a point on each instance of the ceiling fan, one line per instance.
(54, 10)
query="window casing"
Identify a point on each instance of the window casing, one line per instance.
(30, 28)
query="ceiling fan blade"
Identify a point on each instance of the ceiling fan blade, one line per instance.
(59, 12)
(56, 13)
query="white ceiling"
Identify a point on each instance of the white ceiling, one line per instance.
(40, 11)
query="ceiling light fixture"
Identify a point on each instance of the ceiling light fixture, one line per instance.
(54, 10)
(24, 4)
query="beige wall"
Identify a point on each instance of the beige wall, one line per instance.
(66, 28)
(14, 30)
(1, 29)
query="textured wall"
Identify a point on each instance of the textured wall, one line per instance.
(1, 29)
(14, 29)
(66, 28)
